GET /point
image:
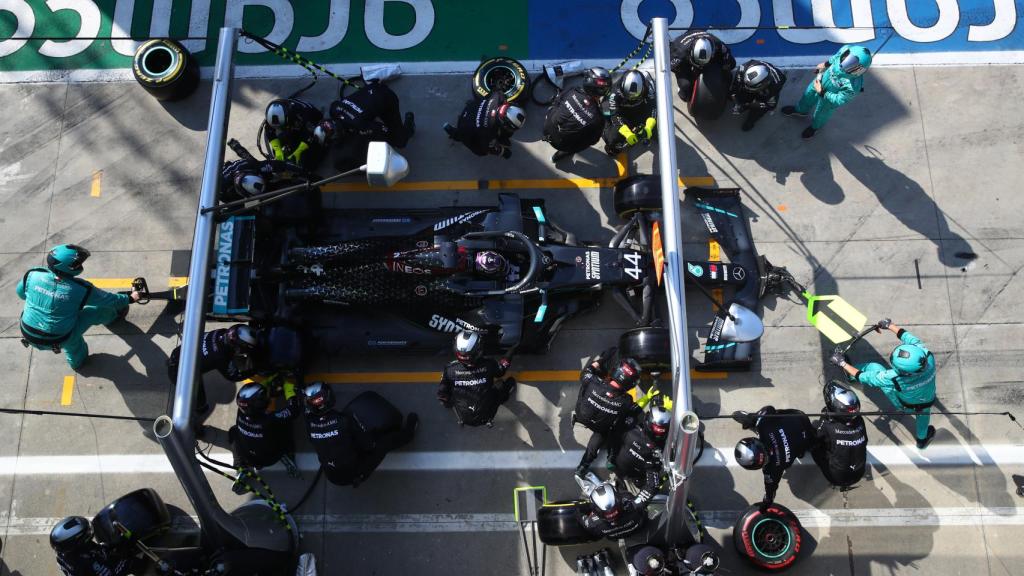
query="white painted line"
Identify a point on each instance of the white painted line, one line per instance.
(936, 455)
(960, 58)
(474, 523)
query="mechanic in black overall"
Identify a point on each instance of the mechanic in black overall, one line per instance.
(755, 89)
(632, 109)
(695, 52)
(603, 401)
(288, 130)
(472, 384)
(574, 121)
(487, 124)
(634, 450)
(371, 113)
(782, 437)
(841, 451)
(79, 555)
(614, 515)
(351, 444)
(261, 437)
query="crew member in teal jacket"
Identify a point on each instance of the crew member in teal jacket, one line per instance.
(59, 307)
(837, 82)
(909, 384)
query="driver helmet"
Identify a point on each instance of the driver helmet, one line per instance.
(469, 347)
(70, 533)
(840, 398)
(657, 421)
(249, 184)
(908, 359)
(756, 77)
(702, 52)
(490, 263)
(66, 259)
(278, 113)
(252, 399)
(605, 501)
(750, 453)
(597, 81)
(319, 397)
(242, 337)
(649, 561)
(701, 559)
(511, 116)
(625, 376)
(633, 86)
(855, 60)
(324, 132)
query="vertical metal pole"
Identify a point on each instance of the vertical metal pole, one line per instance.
(681, 444)
(175, 434)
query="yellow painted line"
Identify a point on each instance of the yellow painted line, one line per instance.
(515, 184)
(97, 182)
(126, 283)
(67, 390)
(715, 255)
(434, 377)
(622, 163)
(696, 181)
(177, 281)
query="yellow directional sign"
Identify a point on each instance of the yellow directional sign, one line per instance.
(834, 317)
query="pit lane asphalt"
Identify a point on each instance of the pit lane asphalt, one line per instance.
(884, 207)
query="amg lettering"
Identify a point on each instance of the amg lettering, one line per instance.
(709, 222)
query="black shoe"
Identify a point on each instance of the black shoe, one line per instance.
(410, 123)
(412, 422)
(748, 124)
(559, 156)
(808, 133)
(922, 444)
(450, 130)
(791, 111)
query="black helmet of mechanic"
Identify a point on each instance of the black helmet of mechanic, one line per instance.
(67, 259)
(840, 399)
(469, 347)
(625, 376)
(597, 82)
(633, 86)
(657, 421)
(70, 534)
(756, 78)
(253, 399)
(319, 398)
(750, 453)
(490, 263)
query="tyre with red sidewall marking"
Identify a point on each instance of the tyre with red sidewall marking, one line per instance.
(769, 540)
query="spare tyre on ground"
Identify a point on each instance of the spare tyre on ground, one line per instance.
(769, 540)
(165, 69)
(504, 74)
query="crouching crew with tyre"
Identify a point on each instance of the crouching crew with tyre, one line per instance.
(262, 434)
(782, 437)
(574, 121)
(604, 400)
(371, 113)
(614, 514)
(633, 109)
(486, 125)
(289, 132)
(473, 385)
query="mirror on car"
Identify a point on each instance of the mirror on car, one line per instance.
(746, 327)
(384, 166)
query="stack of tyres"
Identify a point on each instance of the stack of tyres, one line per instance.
(165, 69)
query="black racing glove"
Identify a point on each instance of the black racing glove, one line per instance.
(837, 359)
(883, 324)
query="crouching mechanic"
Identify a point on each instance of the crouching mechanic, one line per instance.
(841, 447)
(604, 401)
(909, 384)
(755, 89)
(472, 384)
(289, 131)
(693, 53)
(218, 351)
(59, 307)
(371, 113)
(79, 555)
(487, 124)
(632, 107)
(574, 121)
(262, 436)
(351, 444)
(614, 514)
(782, 437)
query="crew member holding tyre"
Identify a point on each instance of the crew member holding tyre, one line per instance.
(613, 514)
(472, 384)
(371, 113)
(694, 53)
(755, 89)
(79, 555)
(351, 444)
(487, 124)
(632, 109)
(574, 121)
(782, 437)
(604, 401)
(289, 131)
(841, 450)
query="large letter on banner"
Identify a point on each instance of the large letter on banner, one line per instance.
(863, 23)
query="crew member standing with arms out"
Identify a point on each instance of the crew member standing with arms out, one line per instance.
(633, 108)
(755, 88)
(487, 124)
(371, 113)
(60, 307)
(574, 121)
(782, 437)
(472, 384)
(836, 83)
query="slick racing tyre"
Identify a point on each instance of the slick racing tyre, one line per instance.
(769, 540)
(710, 93)
(648, 346)
(165, 69)
(503, 74)
(561, 523)
(140, 516)
(637, 193)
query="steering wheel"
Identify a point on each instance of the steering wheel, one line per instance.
(536, 257)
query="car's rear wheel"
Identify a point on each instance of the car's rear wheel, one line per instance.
(637, 193)
(769, 540)
(561, 523)
(651, 347)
